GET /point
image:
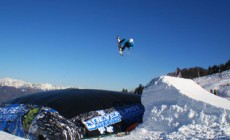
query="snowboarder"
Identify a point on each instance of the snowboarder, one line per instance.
(122, 44)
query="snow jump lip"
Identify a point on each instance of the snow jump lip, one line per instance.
(71, 113)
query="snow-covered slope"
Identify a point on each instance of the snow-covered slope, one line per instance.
(6, 136)
(192, 90)
(21, 84)
(177, 108)
(218, 81)
(181, 109)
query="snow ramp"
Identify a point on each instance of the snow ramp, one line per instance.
(182, 109)
(190, 89)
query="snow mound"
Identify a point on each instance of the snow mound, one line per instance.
(177, 108)
(6, 136)
(181, 109)
(191, 89)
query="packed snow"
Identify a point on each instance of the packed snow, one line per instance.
(177, 108)
(6, 136)
(218, 81)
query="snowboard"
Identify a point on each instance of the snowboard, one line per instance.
(119, 46)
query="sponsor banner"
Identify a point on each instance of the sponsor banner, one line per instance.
(11, 112)
(103, 120)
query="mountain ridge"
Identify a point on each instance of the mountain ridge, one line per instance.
(22, 84)
(12, 88)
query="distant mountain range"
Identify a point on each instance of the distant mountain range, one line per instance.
(11, 88)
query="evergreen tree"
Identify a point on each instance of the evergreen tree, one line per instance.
(222, 68)
(198, 71)
(139, 89)
(215, 69)
(227, 65)
(124, 90)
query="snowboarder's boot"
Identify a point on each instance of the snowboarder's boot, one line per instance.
(118, 39)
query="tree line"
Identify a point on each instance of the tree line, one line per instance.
(189, 73)
(137, 90)
(195, 72)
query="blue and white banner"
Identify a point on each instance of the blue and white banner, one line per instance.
(11, 112)
(102, 121)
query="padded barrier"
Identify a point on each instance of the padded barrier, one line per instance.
(71, 114)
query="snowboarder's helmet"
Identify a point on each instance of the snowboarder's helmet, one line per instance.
(131, 40)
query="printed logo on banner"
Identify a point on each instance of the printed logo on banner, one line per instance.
(10, 113)
(103, 121)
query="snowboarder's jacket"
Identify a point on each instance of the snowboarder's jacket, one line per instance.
(126, 43)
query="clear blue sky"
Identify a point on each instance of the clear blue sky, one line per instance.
(73, 43)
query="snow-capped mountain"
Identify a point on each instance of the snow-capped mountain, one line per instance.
(21, 84)
(12, 88)
(218, 81)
